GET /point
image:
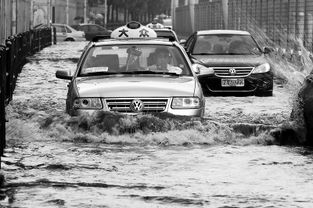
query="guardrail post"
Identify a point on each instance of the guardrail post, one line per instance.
(54, 35)
(2, 99)
(9, 73)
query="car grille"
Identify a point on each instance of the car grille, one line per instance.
(149, 104)
(226, 71)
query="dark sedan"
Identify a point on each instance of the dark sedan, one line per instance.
(92, 30)
(236, 63)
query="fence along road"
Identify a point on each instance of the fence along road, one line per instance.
(12, 58)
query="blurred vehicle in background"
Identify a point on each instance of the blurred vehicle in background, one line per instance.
(168, 23)
(155, 24)
(92, 30)
(166, 33)
(235, 61)
(65, 32)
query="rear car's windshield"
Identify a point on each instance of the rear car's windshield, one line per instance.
(165, 33)
(225, 44)
(117, 59)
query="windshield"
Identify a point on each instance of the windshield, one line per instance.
(225, 44)
(135, 59)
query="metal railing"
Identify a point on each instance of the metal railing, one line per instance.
(12, 59)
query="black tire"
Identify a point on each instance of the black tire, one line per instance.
(69, 39)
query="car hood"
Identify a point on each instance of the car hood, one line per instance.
(231, 60)
(139, 86)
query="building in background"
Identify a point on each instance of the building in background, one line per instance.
(56, 11)
(15, 17)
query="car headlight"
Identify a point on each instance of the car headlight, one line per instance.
(87, 103)
(186, 102)
(262, 68)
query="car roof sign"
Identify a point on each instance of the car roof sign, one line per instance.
(133, 30)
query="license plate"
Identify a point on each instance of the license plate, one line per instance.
(233, 82)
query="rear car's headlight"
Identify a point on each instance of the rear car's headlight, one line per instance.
(262, 68)
(186, 102)
(87, 103)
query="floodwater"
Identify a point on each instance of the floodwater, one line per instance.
(226, 159)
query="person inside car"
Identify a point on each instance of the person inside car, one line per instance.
(163, 60)
(132, 63)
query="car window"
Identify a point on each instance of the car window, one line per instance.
(227, 44)
(68, 30)
(93, 28)
(60, 29)
(84, 28)
(99, 28)
(76, 27)
(124, 58)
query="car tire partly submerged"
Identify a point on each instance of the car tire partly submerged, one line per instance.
(69, 39)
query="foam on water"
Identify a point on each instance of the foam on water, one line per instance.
(113, 128)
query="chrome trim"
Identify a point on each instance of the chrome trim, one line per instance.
(240, 71)
(149, 104)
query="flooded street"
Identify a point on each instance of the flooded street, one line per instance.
(226, 159)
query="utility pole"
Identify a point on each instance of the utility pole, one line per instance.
(49, 13)
(105, 12)
(31, 13)
(225, 13)
(85, 11)
(67, 12)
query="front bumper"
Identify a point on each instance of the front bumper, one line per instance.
(123, 105)
(254, 83)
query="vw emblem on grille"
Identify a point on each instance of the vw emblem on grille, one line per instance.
(136, 105)
(232, 71)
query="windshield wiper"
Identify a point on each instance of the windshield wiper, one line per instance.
(240, 54)
(96, 73)
(204, 54)
(149, 72)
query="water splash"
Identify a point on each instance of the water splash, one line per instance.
(146, 129)
(292, 63)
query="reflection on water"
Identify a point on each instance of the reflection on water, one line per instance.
(119, 175)
(227, 159)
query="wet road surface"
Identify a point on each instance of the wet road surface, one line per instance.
(227, 159)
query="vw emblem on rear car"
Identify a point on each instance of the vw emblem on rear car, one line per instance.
(136, 105)
(232, 71)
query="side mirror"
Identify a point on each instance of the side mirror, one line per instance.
(268, 50)
(62, 74)
(202, 70)
(196, 68)
(182, 42)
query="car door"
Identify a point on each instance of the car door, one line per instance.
(89, 34)
(93, 29)
(102, 30)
